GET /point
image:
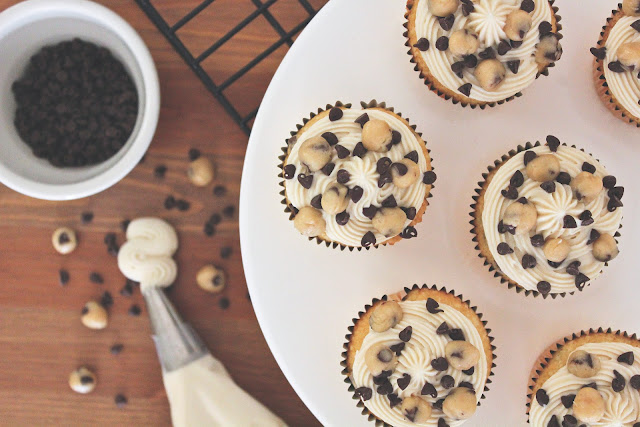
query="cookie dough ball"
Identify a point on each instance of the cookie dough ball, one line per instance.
(586, 185)
(385, 316)
(461, 355)
(548, 50)
(416, 409)
(583, 364)
(629, 54)
(605, 248)
(82, 381)
(517, 24)
(309, 222)
(315, 153)
(521, 216)
(376, 135)
(389, 221)
(556, 250)
(460, 404)
(543, 168)
(405, 173)
(379, 358)
(588, 405)
(335, 199)
(211, 279)
(443, 8)
(490, 74)
(631, 7)
(200, 172)
(462, 43)
(94, 315)
(64, 240)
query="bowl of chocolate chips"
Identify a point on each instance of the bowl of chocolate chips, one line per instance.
(79, 98)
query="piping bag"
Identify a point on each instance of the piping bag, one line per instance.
(200, 390)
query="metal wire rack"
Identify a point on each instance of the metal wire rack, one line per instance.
(218, 89)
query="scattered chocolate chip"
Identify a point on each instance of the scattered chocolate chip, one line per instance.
(289, 172)
(124, 224)
(368, 239)
(456, 334)
(636, 25)
(215, 219)
(410, 212)
(383, 165)
(527, 5)
(465, 89)
(63, 277)
(502, 228)
(517, 179)
(134, 310)
(440, 364)
(634, 382)
(442, 329)
(442, 43)
(523, 200)
(429, 177)
(548, 186)
(342, 218)
(569, 222)
(510, 193)
(438, 404)
(544, 287)
(379, 379)
(515, 43)
(364, 393)
(609, 181)
(169, 202)
(581, 280)
(385, 388)
(369, 211)
(116, 349)
(627, 358)
(342, 152)
(537, 241)
(209, 229)
(429, 390)
(432, 306)
(356, 193)
(127, 289)
(466, 384)
(224, 303)
(457, 68)
(389, 202)
(544, 28)
(183, 205)
(567, 400)
(586, 218)
(396, 137)
(413, 156)
(160, 171)
(404, 381)
(397, 348)
(359, 150)
(617, 67)
(541, 397)
(470, 61)
(528, 261)
(343, 176)
(616, 192)
(553, 422)
(488, 53)
(194, 154)
(120, 400)
(328, 168)
(400, 168)
(423, 45)
(96, 278)
(330, 137)
(569, 421)
(86, 217)
(447, 22)
(528, 156)
(554, 264)
(441, 421)
(504, 249)
(305, 180)
(469, 371)
(409, 232)
(394, 400)
(588, 167)
(572, 268)
(618, 384)
(599, 53)
(504, 47)
(106, 300)
(225, 252)
(316, 201)
(563, 178)
(405, 334)
(335, 114)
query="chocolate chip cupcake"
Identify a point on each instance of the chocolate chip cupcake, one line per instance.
(482, 52)
(356, 178)
(617, 62)
(545, 218)
(591, 378)
(424, 359)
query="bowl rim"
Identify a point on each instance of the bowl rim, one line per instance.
(14, 17)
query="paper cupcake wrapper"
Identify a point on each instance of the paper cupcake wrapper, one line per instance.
(401, 296)
(541, 364)
(599, 80)
(291, 210)
(493, 268)
(456, 97)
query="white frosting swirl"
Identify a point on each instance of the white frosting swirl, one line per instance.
(552, 209)
(621, 408)
(625, 86)
(363, 173)
(146, 257)
(415, 360)
(487, 22)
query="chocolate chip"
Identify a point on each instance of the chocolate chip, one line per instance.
(466, 384)
(569, 421)
(617, 67)
(470, 61)
(447, 22)
(343, 176)
(134, 310)
(215, 219)
(627, 358)
(224, 303)
(369, 211)
(581, 280)
(432, 306)
(160, 171)
(413, 156)
(502, 228)
(429, 390)
(405, 334)
(330, 137)
(515, 43)
(553, 422)
(618, 384)
(385, 388)
(96, 278)
(528, 156)
(569, 222)
(63, 277)
(541, 397)
(616, 192)
(225, 252)
(528, 261)
(342, 152)
(599, 53)
(127, 289)
(396, 137)
(194, 154)
(441, 421)
(572, 268)
(469, 371)
(609, 181)
(410, 212)
(588, 167)
(544, 28)
(335, 114)
(429, 177)
(504, 47)
(409, 232)
(438, 404)
(488, 53)
(504, 249)
(442, 43)
(404, 381)
(228, 211)
(523, 200)
(544, 287)
(510, 193)
(514, 66)
(389, 202)
(440, 364)
(209, 229)
(537, 241)
(356, 193)
(548, 186)
(397, 348)
(169, 203)
(465, 89)
(634, 382)
(467, 8)
(364, 393)
(457, 68)
(456, 334)
(585, 216)
(614, 203)
(116, 349)
(563, 178)
(553, 143)
(382, 377)
(423, 45)
(368, 239)
(442, 329)
(342, 218)
(106, 300)
(182, 205)
(383, 165)
(527, 5)
(400, 168)
(120, 400)
(554, 264)
(567, 400)
(394, 400)
(359, 150)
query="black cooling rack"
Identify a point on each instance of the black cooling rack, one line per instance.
(217, 89)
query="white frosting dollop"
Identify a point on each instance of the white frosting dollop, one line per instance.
(552, 209)
(146, 257)
(424, 346)
(625, 86)
(487, 22)
(621, 408)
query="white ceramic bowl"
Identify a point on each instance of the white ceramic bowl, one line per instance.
(24, 29)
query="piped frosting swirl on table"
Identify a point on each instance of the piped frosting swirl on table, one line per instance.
(611, 368)
(425, 372)
(348, 194)
(545, 235)
(486, 65)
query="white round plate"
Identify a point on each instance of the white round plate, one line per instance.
(305, 294)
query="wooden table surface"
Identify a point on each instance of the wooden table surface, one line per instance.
(41, 337)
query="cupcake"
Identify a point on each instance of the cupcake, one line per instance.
(423, 360)
(617, 62)
(546, 217)
(482, 52)
(356, 178)
(588, 379)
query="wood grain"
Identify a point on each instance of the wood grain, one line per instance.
(41, 337)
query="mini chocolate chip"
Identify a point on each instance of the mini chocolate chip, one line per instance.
(63, 277)
(441, 421)
(328, 168)
(429, 390)
(614, 203)
(510, 193)
(541, 397)
(368, 239)
(356, 193)
(160, 171)
(523, 200)
(609, 181)
(224, 303)
(599, 53)
(409, 232)
(106, 300)
(470, 61)
(413, 156)
(467, 8)
(423, 45)
(183, 205)
(343, 176)
(548, 186)
(170, 202)
(429, 177)
(405, 334)
(514, 66)
(616, 192)
(442, 329)
(528, 156)
(440, 364)
(569, 222)
(465, 89)
(517, 179)
(432, 306)
(389, 202)
(581, 280)
(385, 179)
(447, 22)
(544, 28)
(544, 287)
(636, 25)
(442, 43)
(488, 53)
(572, 268)
(563, 178)
(626, 358)
(404, 381)
(616, 67)
(618, 384)
(364, 393)
(504, 47)
(316, 201)
(96, 278)
(554, 264)
(342, 152)
(120, 400)
(469, 371)
(527, 5)
(342, 218)
(438, 404)
(502, 228)
(396, 137)
(634, 382)
(457, 68)
(553, 143)
(369, 211)
(515, 43)
(330, 137)
(586, 214)
(397, 348)
(383, 165)
(134, 310)
(569, 421)
(466, 384)
(537, 241)
(194, 154)
(209, 229)
(400, 168)
(394, 400)
(359, 150)
(456, 334)
(410, 212)
(225, 252)
(116, 349)
(215, 219)
(553, 422)
(335, 114)
(567, 400)
(305, 180)
(385, 388)
(127, 289)
(528, 261)
(588, 167)
(377, 380)
(504, 249)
